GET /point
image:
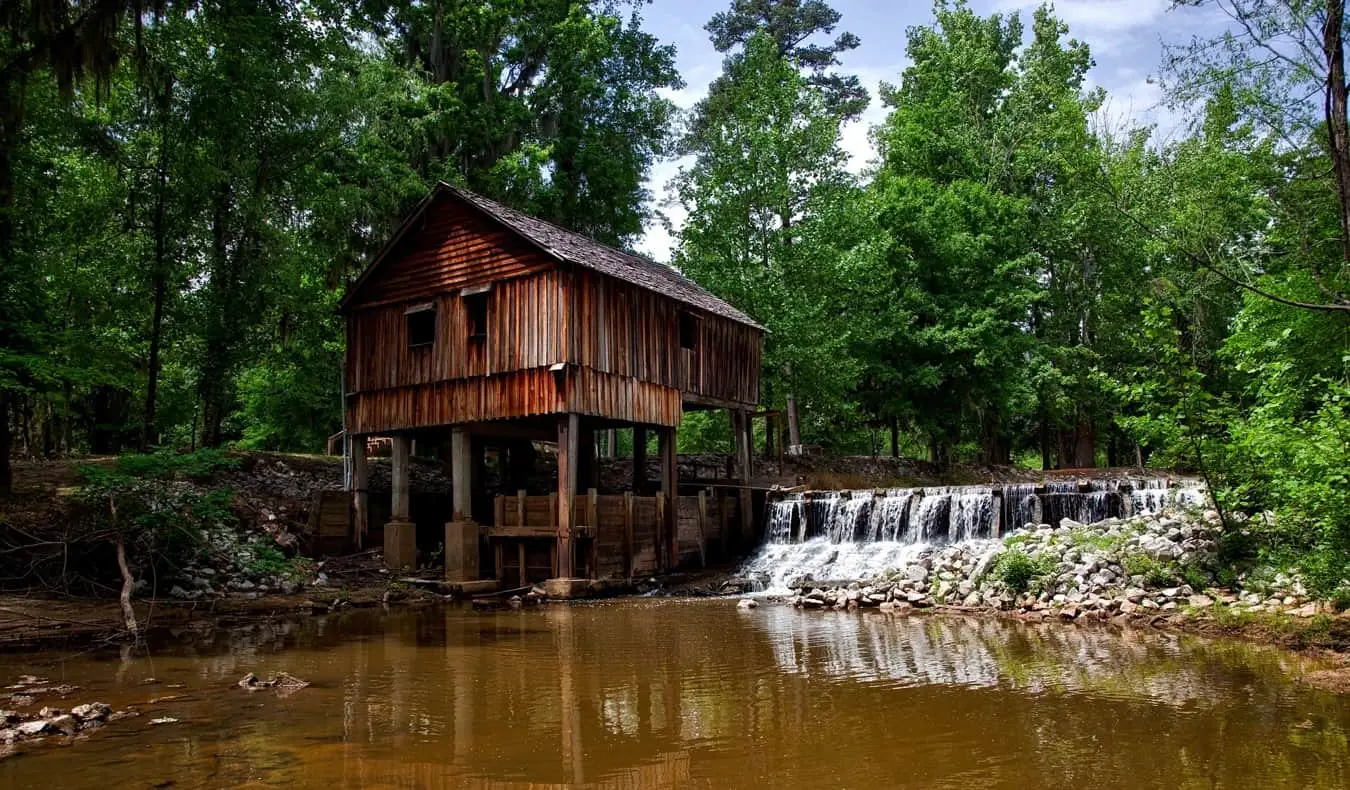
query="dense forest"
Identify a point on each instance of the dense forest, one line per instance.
(186, 189)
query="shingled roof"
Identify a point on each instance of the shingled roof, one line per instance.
(572, 247)
(582, 251)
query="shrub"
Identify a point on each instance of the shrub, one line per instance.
(1155, 573)
(1017, 570)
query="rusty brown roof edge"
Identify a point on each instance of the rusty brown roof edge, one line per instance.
(472, 198)
(413, 216)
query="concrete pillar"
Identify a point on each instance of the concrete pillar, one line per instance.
(569, 435)
(461, 551)
(400, 534)
(461, 475)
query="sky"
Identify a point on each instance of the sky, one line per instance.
(1126, 39)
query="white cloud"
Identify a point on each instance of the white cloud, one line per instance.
(1096, 16)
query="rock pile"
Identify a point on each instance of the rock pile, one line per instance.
(1149, 564)
(18, 725)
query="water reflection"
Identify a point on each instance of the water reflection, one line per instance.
(676, 695)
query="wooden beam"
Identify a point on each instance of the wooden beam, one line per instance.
(360, 484)
(746, 463)
(628, 533)
(569, 435)
(593, 521)
(670, 488)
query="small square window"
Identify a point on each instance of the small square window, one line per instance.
(421, 321)
(476, 308)
(689, 326)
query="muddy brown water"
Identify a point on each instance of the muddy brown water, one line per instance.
(691, 694)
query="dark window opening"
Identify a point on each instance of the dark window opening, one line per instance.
(421, 326)
(476, 307)
(689, 324)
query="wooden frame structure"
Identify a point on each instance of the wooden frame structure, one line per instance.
(482, 325)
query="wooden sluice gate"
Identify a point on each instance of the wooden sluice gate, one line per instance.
(615, 535)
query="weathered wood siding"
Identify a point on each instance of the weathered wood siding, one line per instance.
(622, 329)
(526, 325)
(620, 343)
(454, 246)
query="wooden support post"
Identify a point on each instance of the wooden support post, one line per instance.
(660, 531)
(639, 460)
(520, 552)
(499, 560)
(611, 443)
(628, 534)
(360, 485)
(702, 529)
(670, 486)
(569, 435)
(520, 508)
(593, 520)
(400, 534)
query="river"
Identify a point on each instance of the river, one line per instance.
(690, 694)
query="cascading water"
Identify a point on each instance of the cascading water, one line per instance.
(1021, 506)
(972, 516)
(890, 518)
(860, 534)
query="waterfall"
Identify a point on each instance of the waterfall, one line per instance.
(785, 516)
(973, 515)
(890, 517)
(933, 518)
(1151, 496)
(1021, 506)
(854, 535)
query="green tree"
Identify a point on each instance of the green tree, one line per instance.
(767, 197)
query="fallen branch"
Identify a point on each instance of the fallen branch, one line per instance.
(128, 613)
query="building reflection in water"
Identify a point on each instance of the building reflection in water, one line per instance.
(668, 694)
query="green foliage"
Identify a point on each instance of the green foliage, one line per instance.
(1155, 572)
(164, 465)
(1018, 571)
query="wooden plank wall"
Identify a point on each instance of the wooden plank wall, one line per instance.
(630, 331)
(454, 246)
(614, 397)
(622, 342)
(525, 331)
(521, 394)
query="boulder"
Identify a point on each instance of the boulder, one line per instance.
(748, 603)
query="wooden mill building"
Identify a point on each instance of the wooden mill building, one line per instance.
(478, 327)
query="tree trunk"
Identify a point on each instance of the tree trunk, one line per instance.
(6, 472)
(1085, 442)
(1335, 108)
(794, 428)
(895, 438)
(11, 119)
(1046, 461)
(160, 275)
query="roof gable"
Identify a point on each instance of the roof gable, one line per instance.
(568, 246)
